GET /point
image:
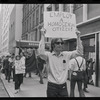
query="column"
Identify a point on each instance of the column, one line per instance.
(97, 57)
(84, 12)
(71, 8)
(98, 53)
(53, 7)
(60, 7)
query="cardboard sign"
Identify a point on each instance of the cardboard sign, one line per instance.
(60, 24)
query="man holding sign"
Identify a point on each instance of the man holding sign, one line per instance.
(57, 61)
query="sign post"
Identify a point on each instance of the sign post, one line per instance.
(60, 24)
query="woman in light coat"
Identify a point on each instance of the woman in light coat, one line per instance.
(19, 71)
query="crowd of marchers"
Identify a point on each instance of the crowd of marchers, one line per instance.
(14, 67)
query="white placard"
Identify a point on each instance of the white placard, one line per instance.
(59, 24)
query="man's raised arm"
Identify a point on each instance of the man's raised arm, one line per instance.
(41, 48)
(79, 44)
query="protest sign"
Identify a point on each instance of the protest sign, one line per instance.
(60, 24)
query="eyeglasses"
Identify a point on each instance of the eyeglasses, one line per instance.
(59, 43)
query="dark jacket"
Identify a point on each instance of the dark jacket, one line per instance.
(40, 62)
(6, 64)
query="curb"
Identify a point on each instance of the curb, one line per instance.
(8, 90)
(5, 87)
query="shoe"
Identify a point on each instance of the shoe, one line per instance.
(85, 90)
(16, 91)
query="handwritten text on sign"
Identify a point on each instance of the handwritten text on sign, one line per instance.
(60, 24)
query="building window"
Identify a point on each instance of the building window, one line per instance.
(32, 37)
(37, 17)
(92, 41)
(26, 37)
(24, 12)
(66, 7)
(39, 35)
(77, 6)
(28, 8)
(49, 8)
(41, 14)
(30, 23)
(33, 20)
(56, 7)
(22, 28)
(27, 25)
(36, 35)
(47, 39)
(33, 6)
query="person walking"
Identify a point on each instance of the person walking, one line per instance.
(77, 66)
(28, 53)
(23, 62)
(6, 66)
(10, 68)
(85, 81)
(13, 67)
(90, 71)
(40, 64)
(19, 70)
(57, 62)
(45, 71)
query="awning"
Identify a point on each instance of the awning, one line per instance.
(28, 44)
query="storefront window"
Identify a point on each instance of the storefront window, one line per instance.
(56, 7)
(66, 7)
(76, 6)
(41, 14)
(37, 17)
(49, 8)
(92, 41)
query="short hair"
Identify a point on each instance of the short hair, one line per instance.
(53, 41)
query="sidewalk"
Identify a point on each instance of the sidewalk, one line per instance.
(32, 88)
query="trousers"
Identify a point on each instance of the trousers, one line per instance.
(18, 80)
(72, 88)
(57, 90)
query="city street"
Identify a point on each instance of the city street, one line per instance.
(32, 88)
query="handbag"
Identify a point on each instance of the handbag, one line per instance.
(77, 75)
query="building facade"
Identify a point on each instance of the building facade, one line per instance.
(32, 21)
(6, 11)
(15, 27)
(88, 22)
(11, 26)
(0, 32)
